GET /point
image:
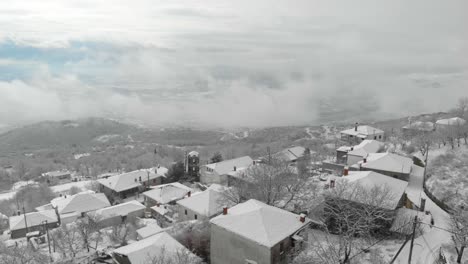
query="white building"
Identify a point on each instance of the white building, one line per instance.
(352, 155)
(390, 164)
(218, 172)
(359, 133)
(203, 205)
(253, 232)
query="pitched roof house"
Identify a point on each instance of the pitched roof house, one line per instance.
(259, 233)
(153, 248)
(166, 193)
(386, 163)
(454, 121)
(370, 179)
(351, 155)
(149, 230)
(290, 154)
(217, 172)
(126, 184)
(35, 221)
(79, 203)
(359, 133)
(118, 213)
(202, 205)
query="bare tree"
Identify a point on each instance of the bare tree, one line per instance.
(353, 216)
(462, 107)
(181, 256)
(21, 254)
(89, 229)
(459, 228)
(67, 240)
(123, 232)
(275, 184)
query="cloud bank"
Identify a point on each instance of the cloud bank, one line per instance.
(230, 63)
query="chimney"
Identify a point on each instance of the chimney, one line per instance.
(254, 162)
(423, 204)
(189, 193)
(332, 183)
(352, 148)
(302, 218)
(364, 160)
(157, 204)
(355, 127)
(345, 171)
(225, 210)
(235, 168)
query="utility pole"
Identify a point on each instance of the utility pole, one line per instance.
(412, 238)
(148, 179)
(269, 155)
(399, 250)
(47, 232)
(25, 219)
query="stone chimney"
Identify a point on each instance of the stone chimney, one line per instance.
(332, 183)
(355, 127)
(225, 210)
(189, 194)
(345, 171)
(235, 168)
(302, 218)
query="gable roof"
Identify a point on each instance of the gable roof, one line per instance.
(261, 223)
(370, 179)
(33, 219)
(129, 180)
(122, 209)
(224, 167)
(80, 202)
(362, 131)
(290, 154)
(208, 203)
(362, 149)
(166, 193)
(387, 162)
(451, 121)
(142, 251)
(193, 153)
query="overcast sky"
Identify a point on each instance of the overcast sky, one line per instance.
(230, 63)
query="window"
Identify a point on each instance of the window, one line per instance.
(375, 137)
(380, 136)
(185, 212)
(196, 217)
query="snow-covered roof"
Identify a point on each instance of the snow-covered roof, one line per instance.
(166, 193)
(387, 162)
(33, 219)
(207, 203)
(129, 180)
(224, 167)
(362, 131)
(122, 209)
(420, 125)
(451, 121)
(149, 230)
(365, 147)
(193, 153)
(80, 202)
(57, 173)
(370, 179)
(259, 222)
(141, 252)
(290, 154)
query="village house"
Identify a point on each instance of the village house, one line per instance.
(57, 175)
(352, 155)
(75, 206)
(360, 133)
(153, 249)
(254, 232)
(389, 164)
(454, 121)
(218, 172)
(290, 155)
(417, 128)
(118, 214)
(131, 183)
(202, 205)
(166, 194)
(20, 225)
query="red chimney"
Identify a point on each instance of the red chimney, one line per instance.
(225, 210)
(189, 193)
(332, 183)
(302, 218)
(345, 171)
(157, 204)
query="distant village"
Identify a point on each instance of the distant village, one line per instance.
(283, 207)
